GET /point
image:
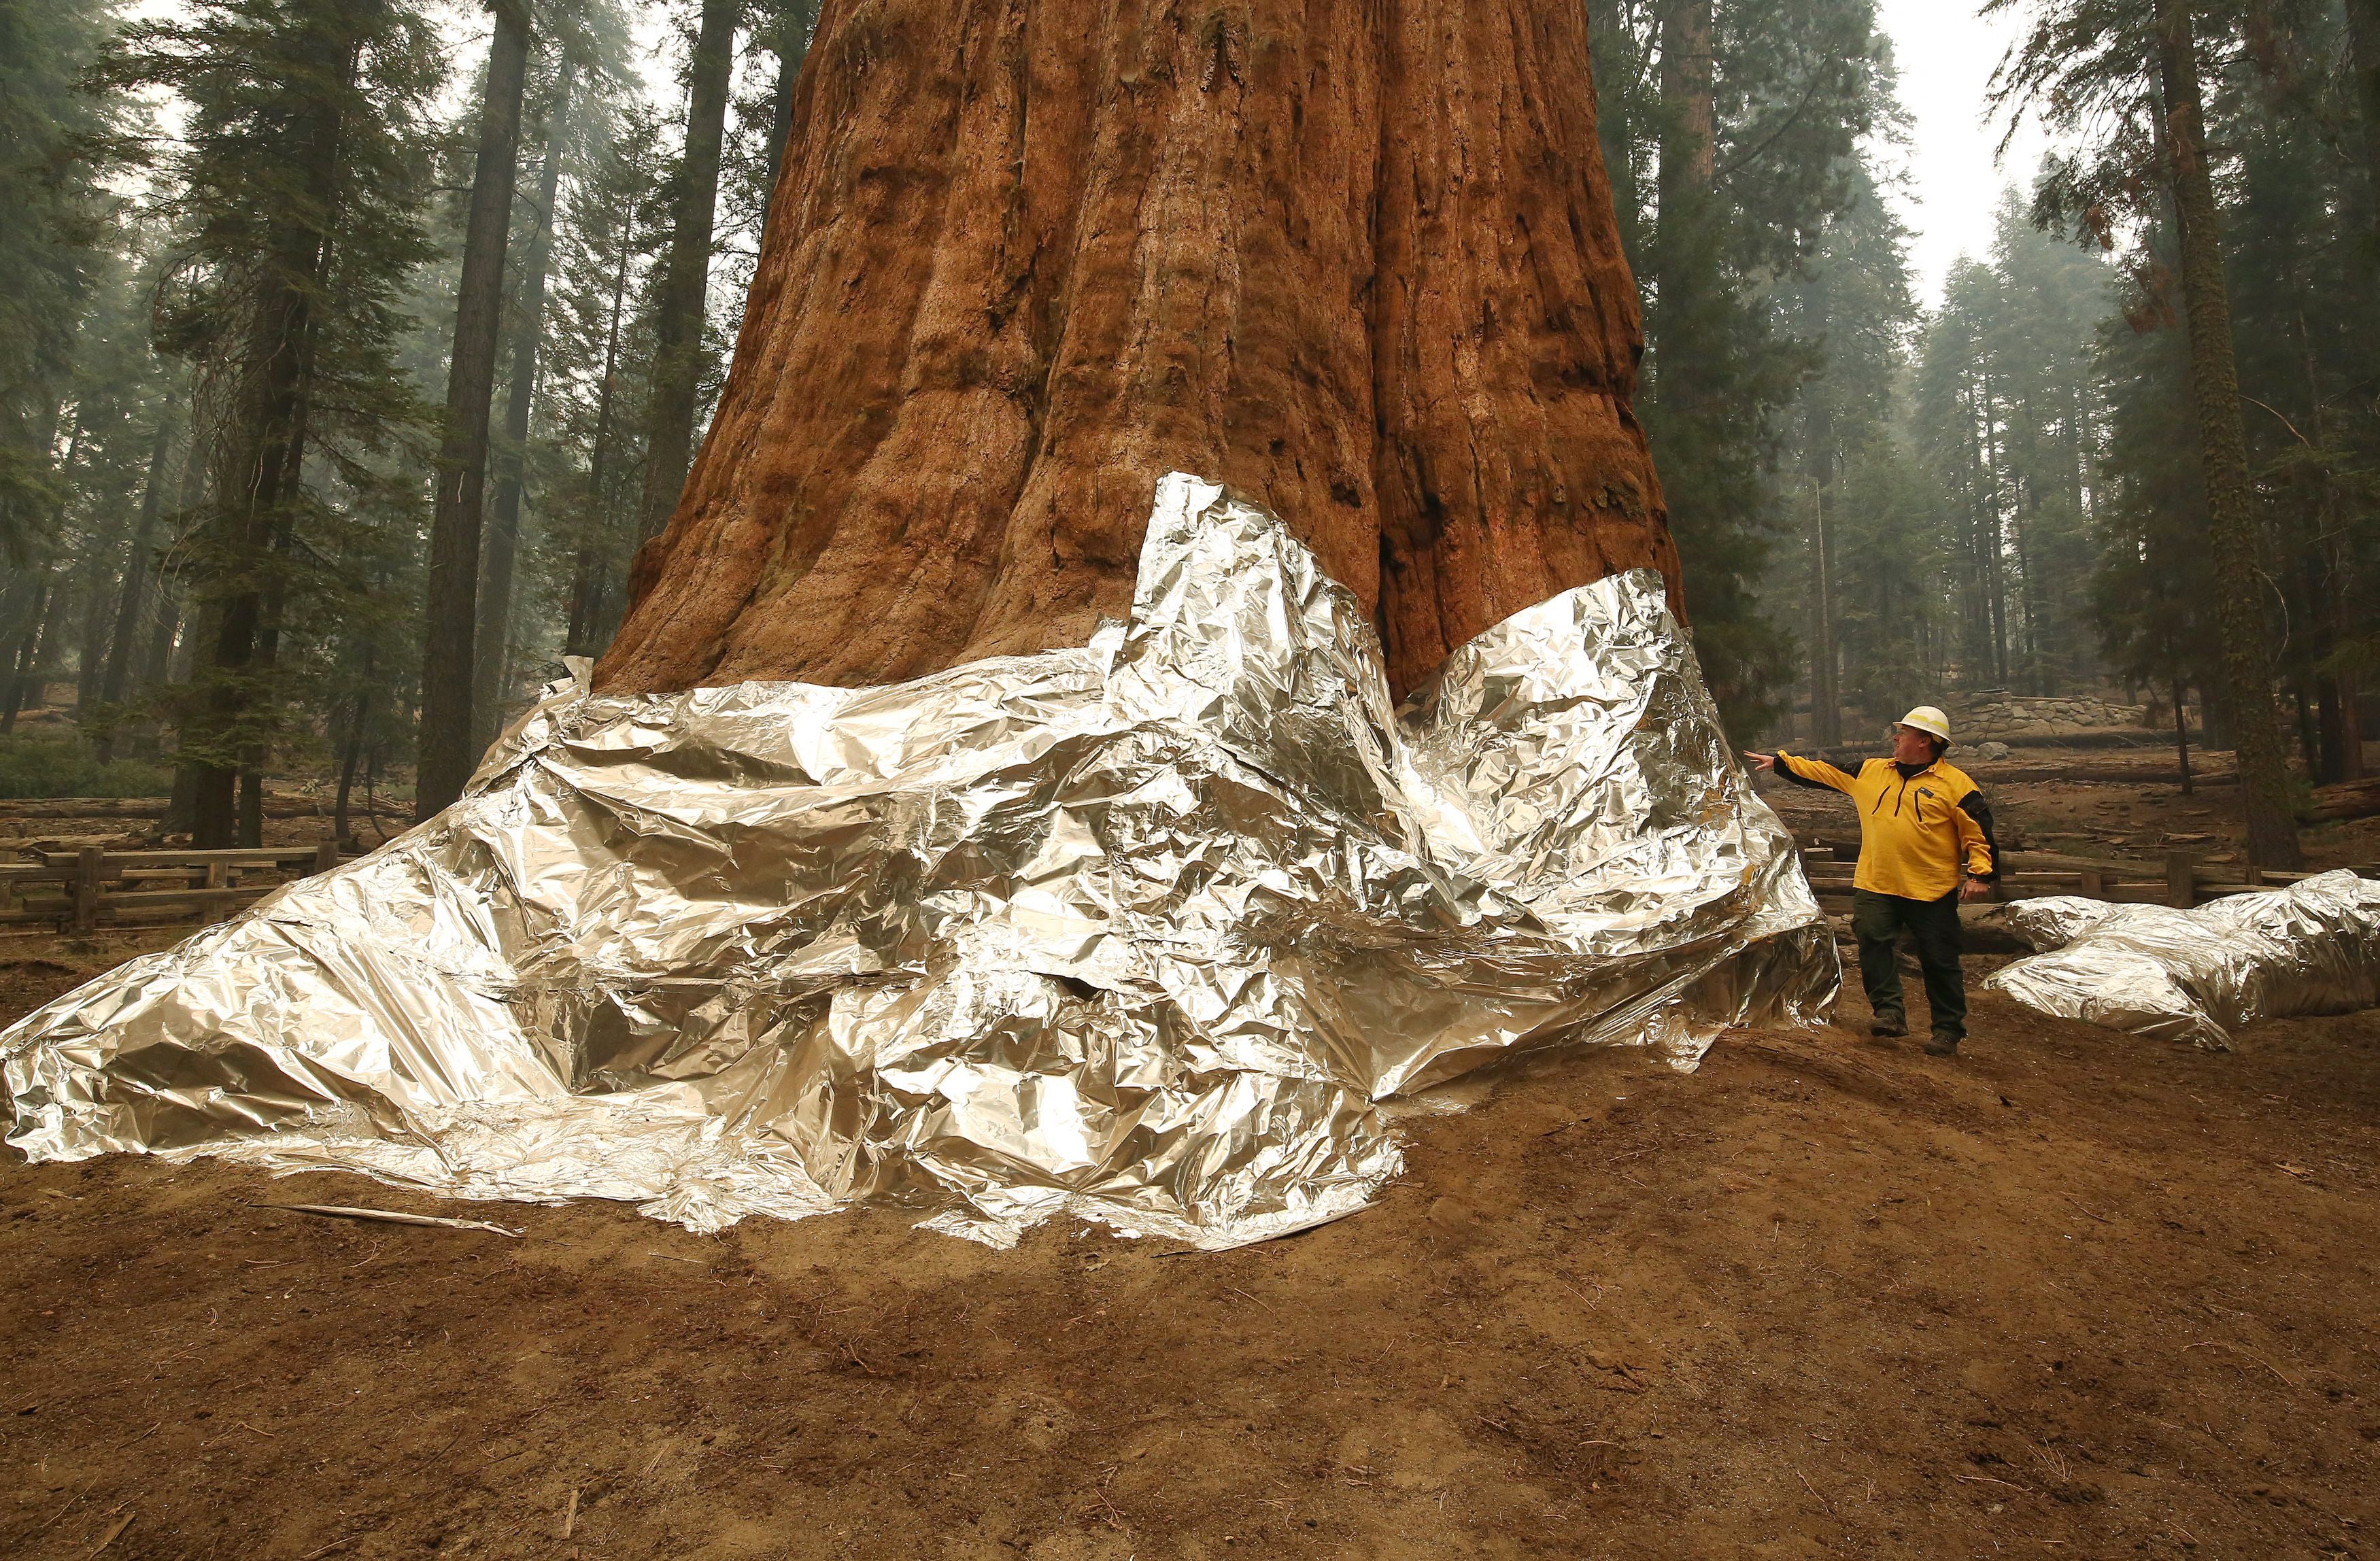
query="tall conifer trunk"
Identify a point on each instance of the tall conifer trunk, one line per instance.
(135, 592)
(253, 485)
(593, 585)
(792, 44)
(1688, 261)
(2363, 31)
(2214, 384)
(1356, 259)
(494, 636)
(685, 269)
(2363, 43)
(449, 637)
(1826, 660)
(27, 659)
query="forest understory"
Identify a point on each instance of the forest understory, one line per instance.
(2073, 1293)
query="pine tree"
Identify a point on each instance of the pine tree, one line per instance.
(1732, 133)
(1853, 302)
(2153, 591)
(296, 195)
(2008, 413)
(2126, 77)
(2306, 335)
(52, 134)
(600, 354)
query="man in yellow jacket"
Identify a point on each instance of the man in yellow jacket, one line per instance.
(1926, 843)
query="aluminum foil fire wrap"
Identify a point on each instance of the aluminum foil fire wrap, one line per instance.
(2196, 976)
(1141, 932)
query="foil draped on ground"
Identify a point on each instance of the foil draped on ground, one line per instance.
(2196, 976)
(1141, 932)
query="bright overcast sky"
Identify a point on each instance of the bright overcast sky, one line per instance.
(1946, 56)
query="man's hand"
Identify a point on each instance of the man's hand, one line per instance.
(1762, 761)
(1974, 889)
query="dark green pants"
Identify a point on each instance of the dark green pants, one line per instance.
(1878, 921)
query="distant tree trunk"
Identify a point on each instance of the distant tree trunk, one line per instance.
(450, 612)
(494, 636)
(100, 581)
(1689, 142)
(1825, 662)
(1992, 534)
(685, 269)
(2215, 383)
(592, 582)
(1685, 259)
(1356, 259)
(22, 597)
(796, 19)
(258, 466)
(276, 601)
(167, 644)
(157, 661)
(2341, 686)
(2364, 40)
(2331, 586)
(2026, 504)
(26, 675)
(23, 665)
(112, 687)
(350, 751)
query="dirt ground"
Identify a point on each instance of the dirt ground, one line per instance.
(2072, 1294)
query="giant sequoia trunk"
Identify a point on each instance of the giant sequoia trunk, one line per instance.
(1356, 259)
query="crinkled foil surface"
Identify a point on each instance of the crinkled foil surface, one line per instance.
(2196, 976)
(1143, 932)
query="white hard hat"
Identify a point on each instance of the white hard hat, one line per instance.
(1928, 719)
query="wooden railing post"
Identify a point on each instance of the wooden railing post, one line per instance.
(2181, 878)
(326, 855)
(2095, 883)
(86, 889)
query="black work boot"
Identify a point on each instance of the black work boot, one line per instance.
(1940, 1045)
(1883, 1025)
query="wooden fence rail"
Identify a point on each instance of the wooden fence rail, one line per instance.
(83, 890)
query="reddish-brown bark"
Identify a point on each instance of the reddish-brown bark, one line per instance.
(1356, 259)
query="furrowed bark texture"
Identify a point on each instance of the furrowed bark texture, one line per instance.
(1356, 259)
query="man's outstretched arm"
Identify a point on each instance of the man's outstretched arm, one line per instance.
(1815, 773)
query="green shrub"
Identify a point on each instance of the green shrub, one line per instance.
(62, 766)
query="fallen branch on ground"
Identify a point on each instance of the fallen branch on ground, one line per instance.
(337, 1211)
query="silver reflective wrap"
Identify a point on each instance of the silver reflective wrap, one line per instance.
(2196, 976)
(1140, 931)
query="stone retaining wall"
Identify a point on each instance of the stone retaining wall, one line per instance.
(1995, 715)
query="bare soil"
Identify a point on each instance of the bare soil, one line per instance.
(2071, 1294)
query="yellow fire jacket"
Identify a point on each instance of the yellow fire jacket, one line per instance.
(1915, 831)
